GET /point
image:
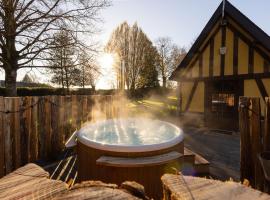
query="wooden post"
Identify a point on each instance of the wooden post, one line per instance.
(256, 139)
(7, 136)
(16, 133)
(266, 138)
(2, 144)
(245, 149)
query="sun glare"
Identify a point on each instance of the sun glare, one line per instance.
(106, 61)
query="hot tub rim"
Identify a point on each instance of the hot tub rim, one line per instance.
(133, 149)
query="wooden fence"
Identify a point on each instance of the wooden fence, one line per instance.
(255, 138)
(34, 128)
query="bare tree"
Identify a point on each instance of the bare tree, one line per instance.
(89, 70)
(64, 60)
(170, 56)
(133, 48)
(27, 28)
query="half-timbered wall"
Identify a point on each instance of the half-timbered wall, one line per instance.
(244, 59)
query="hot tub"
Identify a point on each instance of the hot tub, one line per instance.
(125, 138)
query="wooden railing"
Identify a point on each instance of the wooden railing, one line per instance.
(34, 128)
(255, 138)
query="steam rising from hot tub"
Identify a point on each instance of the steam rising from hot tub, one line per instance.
(128, 135)
(130, 132)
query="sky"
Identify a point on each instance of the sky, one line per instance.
(181, 20)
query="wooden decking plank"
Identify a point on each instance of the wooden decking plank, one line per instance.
(72, 170)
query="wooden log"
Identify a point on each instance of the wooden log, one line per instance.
(34, 130)
(246, 170)
(7, 137)
(266, 139)
(2, 144)
(16, 133)
(99, 191)
(178, 187)
(30, 182)
(256, 138)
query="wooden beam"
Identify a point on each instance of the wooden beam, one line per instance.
(191, 95)
(249, 42)
(200, 65)
(211, 57)
(266, 66)
(251, 60)
(261, 88)
(235, 53)
(229, 77)
(223, 43)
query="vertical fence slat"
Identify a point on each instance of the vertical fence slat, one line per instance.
(61, 122)
(54, 126)
(90, 104)
(7, 138)
(267, 125)
(34, 130)
(84, 109)
(2, 149)
(67, 117)
(256, 140)
(41, 128)
(74, 113)
(48, 129)
(245, 151)
(16, 132)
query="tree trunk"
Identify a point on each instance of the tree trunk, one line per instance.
(164, 82)
(10, 83)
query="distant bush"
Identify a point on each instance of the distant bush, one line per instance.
(47, 91)
(44, 91)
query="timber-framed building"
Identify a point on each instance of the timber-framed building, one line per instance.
(229, 59)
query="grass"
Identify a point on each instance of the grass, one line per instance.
(156, 107)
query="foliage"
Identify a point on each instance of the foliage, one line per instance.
(27, 28)
(137, 57)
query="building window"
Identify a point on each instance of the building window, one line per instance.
(223, 102)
